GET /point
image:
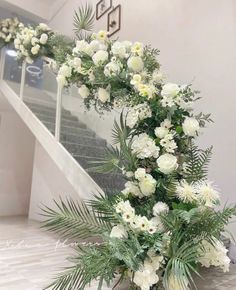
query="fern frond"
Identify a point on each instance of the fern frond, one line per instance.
(74, 220)
(83, 21)
(197, 163)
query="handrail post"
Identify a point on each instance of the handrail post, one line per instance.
(3, 61)
(58, 113)
(22, 82)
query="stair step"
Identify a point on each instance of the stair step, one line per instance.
(85, 150)
(50, 111)
(85, 161)
(109, 180)
(83, 140)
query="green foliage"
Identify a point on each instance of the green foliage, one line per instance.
(92, 262)
(74, 220)
(84, 21)
(150, 58)
(197, 163)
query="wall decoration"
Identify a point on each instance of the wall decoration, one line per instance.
(102, 7)
(114, 20)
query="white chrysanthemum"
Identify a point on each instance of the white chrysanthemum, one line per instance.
(135, 64)
(160, 207)
(144, 146)
(167, 163)
(131, 188)
(43, 38)
(138, 113)
(147, 185)
(119, 232)
(84, 91)
(170, 90)
(103, 95)
(100, 57)
(207, 195)
(214, 255)
(186, 192)
(112, 69)
(190, 127)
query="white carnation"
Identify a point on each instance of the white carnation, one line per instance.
(119, 232)
(167, 163)
(170, 90)
(103, 95)
(138, 113)
(144, 146)
(190, 126)
(160, 207)
(135, 64)
(43, 38)
(84, 91)
(140, 173)
(100, 57)
(131, 188)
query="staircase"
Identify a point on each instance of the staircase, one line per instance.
(81, 142)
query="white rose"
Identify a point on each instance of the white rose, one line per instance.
(100, 57)
(119, 232)
(148, 185)
(160, 207)
(103, 95)
(161, 132)
(43, 38)
(35, 49)
(135, 63)
(167, 163)
(170, 90)
(84, 91)
(140, 173)
(190, 126)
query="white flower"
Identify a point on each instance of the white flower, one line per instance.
(43, 26)
(190, 126)
(170, 90)
(138, 113)
(161, 132)
(186, 192)
(65, 70)
(214, 255)
(147, 185)
(100, 57)
(43, 38)
(144, 146)
(34, 41)
(140, 173)
(103, 95)
(154, 260)
(167, 102)
(168, 143)
(119, 49)
(124, 206)
(112, 69)
(145, 277)
(136, 80)
(102, 35)
(157, 77)
(131, 188)
(35, 49)
(135, 64)
(160, 207)
(207, 195)
(174, 283)
(142, 223)
(167, 163)
(61, 80)
(119, 232)
(156, 221)
(84, 91)
(166, 124)
(137, 48)
(146, 90)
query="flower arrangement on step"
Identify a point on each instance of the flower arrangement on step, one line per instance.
(165, 224)
(8, 29)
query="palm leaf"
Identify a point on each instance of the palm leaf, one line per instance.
(83, 21)
(74, 220)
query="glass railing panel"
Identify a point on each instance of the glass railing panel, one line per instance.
(12, 70)
(40, 92)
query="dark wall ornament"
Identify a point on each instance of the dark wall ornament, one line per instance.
(114, 20)
(102, 7)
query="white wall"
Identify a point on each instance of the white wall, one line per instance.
(48, 183)
(197, 40)
(16, 163)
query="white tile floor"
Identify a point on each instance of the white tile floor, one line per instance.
(30, 257)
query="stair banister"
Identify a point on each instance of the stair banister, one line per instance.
(58, 113)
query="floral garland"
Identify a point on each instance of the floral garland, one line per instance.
(164, 224)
